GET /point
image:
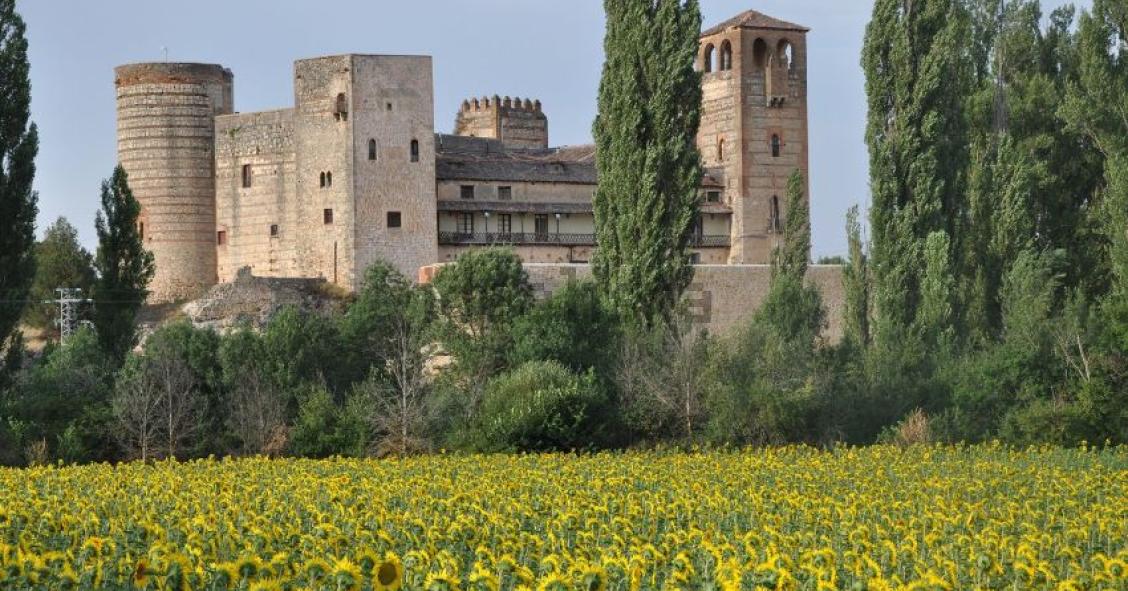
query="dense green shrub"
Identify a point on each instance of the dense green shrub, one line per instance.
(540, 406)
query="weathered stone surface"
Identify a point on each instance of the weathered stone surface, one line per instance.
(254, 301)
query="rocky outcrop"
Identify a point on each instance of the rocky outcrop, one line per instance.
(253, 301)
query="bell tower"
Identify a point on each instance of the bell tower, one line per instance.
(754, 123)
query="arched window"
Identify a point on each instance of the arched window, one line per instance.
(785, 55)
(726, 55)
(707, 61)
(721, 150)
(415, 150)
(323, 180)
(760, 54)
(776, 145)
(371, 149)
(342, 112)
(774, 222)
(329, 179)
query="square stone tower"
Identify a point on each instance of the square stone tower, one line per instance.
(365, 165)
(754, 123)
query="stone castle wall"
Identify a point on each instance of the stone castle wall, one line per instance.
(258, 224)
(165, 131)
(721, 297)
(520, 124)
(393, 105)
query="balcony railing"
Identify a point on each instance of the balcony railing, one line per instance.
(551, 239)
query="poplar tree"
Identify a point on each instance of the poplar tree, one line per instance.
(856, 284)
(648, 165)
(124, 268)
(1096, 106)
(915, 59)
(19, 144)
(793, 255)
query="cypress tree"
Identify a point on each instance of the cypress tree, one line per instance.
(124, 268)
(19, 144)
(649, 168)
(916, 60)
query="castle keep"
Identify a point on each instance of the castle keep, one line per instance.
(354, 171)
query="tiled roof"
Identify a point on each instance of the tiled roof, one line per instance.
(754, 20)
(480, 159)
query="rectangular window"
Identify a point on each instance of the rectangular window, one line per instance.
(467, 192)
(221, 237)
(504, 223)
(540, 224)
(466, 223)
(713, 197)
(246, 176)
(395, 220)
(141, 230)
(505, 193)
(273, 230)
(328, 216)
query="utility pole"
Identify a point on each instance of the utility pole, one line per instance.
(68, 301)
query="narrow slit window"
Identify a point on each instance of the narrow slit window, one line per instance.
(328, 179)
(415, 150)
(273, 230)
(323, 180)
(246, 176)
(372, 149)
(777, 145)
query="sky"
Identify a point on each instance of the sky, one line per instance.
(546, 49)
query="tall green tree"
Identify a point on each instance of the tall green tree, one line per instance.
(1096, 106)
(60, 261)
(856, 284)
(1032, 178)
(19, 144)
(916, 60)
(649, 168)
(124, 268)
(793, 255)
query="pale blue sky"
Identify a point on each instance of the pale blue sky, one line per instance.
(546, 49)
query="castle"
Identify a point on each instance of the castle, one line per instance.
(355, 172)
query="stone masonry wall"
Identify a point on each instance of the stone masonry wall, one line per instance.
(259, 223)
(165, 130)
(519, 123)
(393, 105)
(721, 297)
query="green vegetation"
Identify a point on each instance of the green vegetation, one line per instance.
(649, 170)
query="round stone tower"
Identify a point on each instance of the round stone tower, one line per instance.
(166, 142)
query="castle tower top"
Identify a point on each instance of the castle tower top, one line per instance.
(518, 123)
(752, 19)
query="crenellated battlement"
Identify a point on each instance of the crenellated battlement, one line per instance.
(519, 123)
(485, 102)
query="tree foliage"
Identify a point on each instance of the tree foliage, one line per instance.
(60, 262)
(649, 170)
(19, 144)
(124, 267)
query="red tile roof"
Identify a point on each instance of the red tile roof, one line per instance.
(754, 20)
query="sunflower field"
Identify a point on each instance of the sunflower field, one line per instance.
(984, 517)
